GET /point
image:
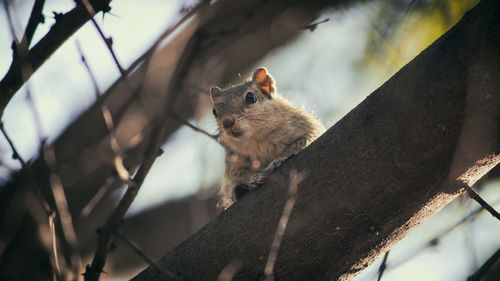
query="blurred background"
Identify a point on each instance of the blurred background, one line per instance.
(327, 69)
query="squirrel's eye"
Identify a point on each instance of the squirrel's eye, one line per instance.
(250, 98)
(214, 112)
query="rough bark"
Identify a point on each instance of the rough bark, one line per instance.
(392, 162)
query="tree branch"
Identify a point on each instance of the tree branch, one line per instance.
(15, 153)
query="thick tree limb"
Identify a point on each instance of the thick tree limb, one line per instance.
(392, 162)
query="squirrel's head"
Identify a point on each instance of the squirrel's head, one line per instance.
(238, 108)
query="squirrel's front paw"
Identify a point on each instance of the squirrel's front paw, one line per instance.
(257, 180)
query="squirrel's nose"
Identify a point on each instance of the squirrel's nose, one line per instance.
(227, 122)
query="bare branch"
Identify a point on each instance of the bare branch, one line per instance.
(54, 243)
(197, 129)
(474, 195)
(89, 71)
(313, 26)
(107, 41)
(215, 137)
(15, 153)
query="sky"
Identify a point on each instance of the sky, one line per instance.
(331, 84)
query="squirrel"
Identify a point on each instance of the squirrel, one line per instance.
(259, 130)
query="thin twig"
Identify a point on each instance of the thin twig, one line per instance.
(15, 153)
(109, 45)
(196, 129)
(255, 164)
(474, 195)
(383, 266)
(295, 179)
(54, 242)
(107, 41)
(313, 26)
(96, 198)
(89, 71)
(137, 250)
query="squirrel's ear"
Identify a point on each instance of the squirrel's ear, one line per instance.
(264, 81)
(215, 91)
